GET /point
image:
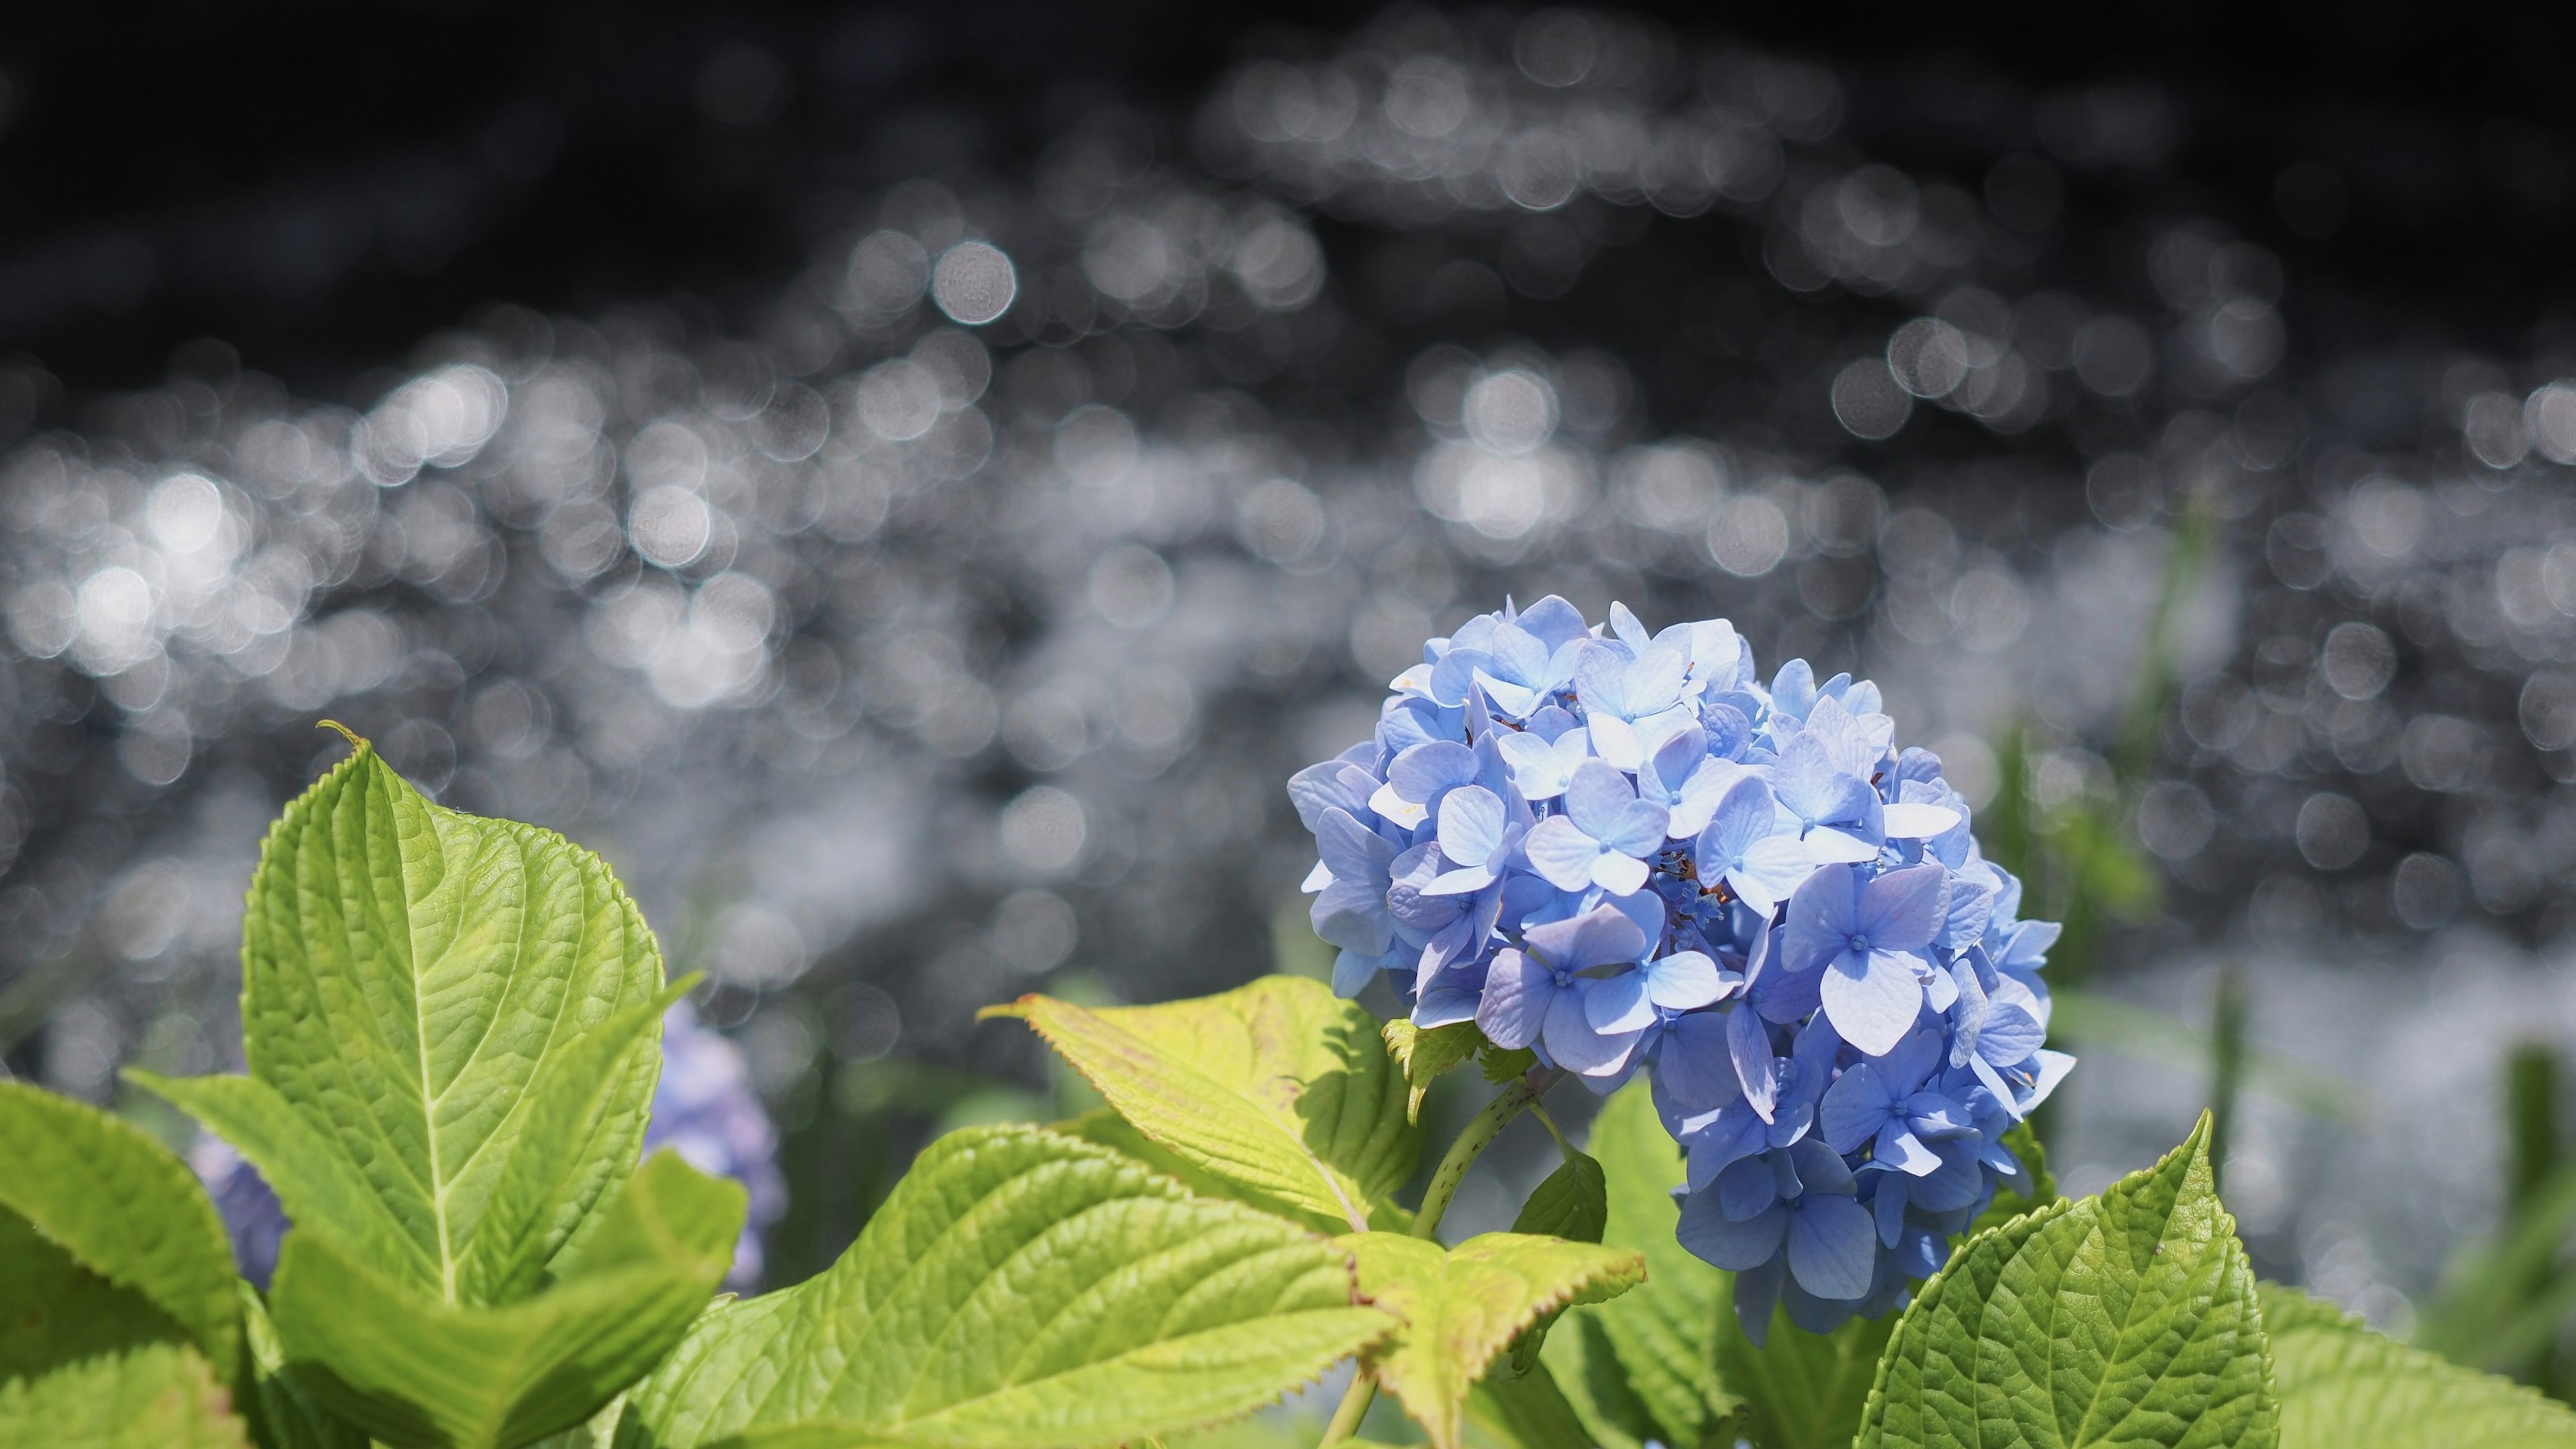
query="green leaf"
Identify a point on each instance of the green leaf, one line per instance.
(414, 1371)
(1500, 1066)
(152, 1396)
(1644, 1367)
(1570, 1203)
(121, 1206)
(1424, 1055)
(1801, 1390)
(53, 1311)
(1277, 1086)
(407, 972)
(2343, 1386)
(2127, 1318)
(1461, 1307)
(1528, 1412)
(1021, 1288)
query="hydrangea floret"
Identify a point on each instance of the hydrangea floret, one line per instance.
(1622, 851)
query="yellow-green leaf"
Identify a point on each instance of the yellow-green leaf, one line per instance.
(1461, 1307)
(1424, 1055)
(1277, 1087)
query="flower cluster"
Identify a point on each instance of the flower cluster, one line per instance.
(1621, 851)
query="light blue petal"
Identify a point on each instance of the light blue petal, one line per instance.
(1684, 980)
(1620, 875)
(1561, 853)
(1900, 910)
(1518, 992)
(1873, 1006)
(1471, 825)
(1618, 1003)
(1772, 870)
(1748, 1049)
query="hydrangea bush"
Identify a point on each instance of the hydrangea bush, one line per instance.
(1621, 851)
(1736, 910)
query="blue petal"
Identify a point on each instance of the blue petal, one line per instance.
(1854, 1108)
(1707, 1232)
(1900, 910)
(1822, 917)
(1602, 936)
(1889, 1207)
(1748, 1048)
(1425, 770)
(1757, 1293)
(1746, 1189)
(1594, 795)
(1694, 1066)
(1352, 972)
(1832, 1247)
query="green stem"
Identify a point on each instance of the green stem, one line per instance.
(1462, 1154)
(1354, 1407)
(1472, 1142)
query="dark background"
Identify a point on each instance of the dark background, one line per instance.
(322, 185)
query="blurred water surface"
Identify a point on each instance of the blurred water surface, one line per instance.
(943, 622)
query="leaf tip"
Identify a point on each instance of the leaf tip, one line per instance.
(1019, 1010)
(356, 741)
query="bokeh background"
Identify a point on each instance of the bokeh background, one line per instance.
(909, 485)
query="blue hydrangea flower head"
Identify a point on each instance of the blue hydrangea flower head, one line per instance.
(1617, 847)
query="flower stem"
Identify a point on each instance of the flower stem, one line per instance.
(1472, 1142)
(1462, 1154)
(1354, 1407)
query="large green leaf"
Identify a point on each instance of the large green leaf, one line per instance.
(1801, 1390)
(1644, 1365)
(1277, 1086)
(407, 972)
(151, 1396)
(1021, 1288)
(2130, 1318)
(107, 1197)
(2344, 1387)
(1462, 1306)
(415, 1371)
